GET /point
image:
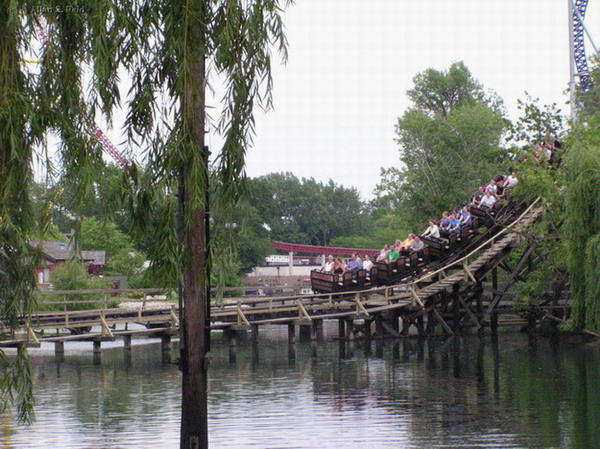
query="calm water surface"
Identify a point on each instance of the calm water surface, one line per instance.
(458, 393)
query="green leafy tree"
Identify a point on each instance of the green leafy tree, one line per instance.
(588, 101)
(165, 47)
(449, 144)
(251, 238)
(122, 259)
(307, 211)
(582, 224)
(72, 275)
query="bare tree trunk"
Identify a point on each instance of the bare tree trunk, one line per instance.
(195, 323)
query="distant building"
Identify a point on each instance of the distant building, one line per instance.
(284, 260)
(55, 253)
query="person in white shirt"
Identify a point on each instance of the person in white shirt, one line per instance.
(487, 201)
(367, 264)
(432, 231)
(491, 188)
(329, 265)
(383, 253)
(512, 180)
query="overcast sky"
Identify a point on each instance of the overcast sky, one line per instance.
(351, 62)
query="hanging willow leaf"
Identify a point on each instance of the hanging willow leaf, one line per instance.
(94, 50)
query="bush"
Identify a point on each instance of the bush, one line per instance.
(73, 276)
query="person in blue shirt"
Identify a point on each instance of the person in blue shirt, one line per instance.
(465, 217)
(354, 265)
(454, 223)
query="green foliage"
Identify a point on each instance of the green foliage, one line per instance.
(135, 295)
(72, 275)
(449, 145)
(19, 133)
(251, 242)
(307, 211)
(588, 102)
(536, 121)
(385, 230)
(437, 93)
(583, 228)
(122, 259)
(163, 48)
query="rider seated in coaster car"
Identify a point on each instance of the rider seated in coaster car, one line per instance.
(329, 265)
(394, 254)
(487, 201)
(354, 265)
(433, 231)
(405, 245)
(454, 224)
(465, 217)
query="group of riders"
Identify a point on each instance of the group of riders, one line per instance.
(451, 222)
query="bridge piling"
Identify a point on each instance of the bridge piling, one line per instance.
(291, 334)
(341, 328)
(379, 329)
(456, 315)
(494, 316)
(254, 334)
(316, 330)
(127, 342)
(165, 343)
(350, 330)
(305, 332)
(97, 347)
(59, 347)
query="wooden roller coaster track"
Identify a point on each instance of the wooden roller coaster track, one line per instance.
(410, 301)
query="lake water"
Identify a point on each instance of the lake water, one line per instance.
(521, 392)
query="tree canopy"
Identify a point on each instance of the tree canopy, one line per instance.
(449, 144)
(306, 211)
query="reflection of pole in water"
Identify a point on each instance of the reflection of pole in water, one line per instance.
(456, 357)
(396, 350)
(496, 363)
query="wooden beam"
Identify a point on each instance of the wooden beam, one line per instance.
(390, 330)
(359, 306)
(241, 317)
(468, 274)
(302, 311)
(106, 331)
(470, 313)
(442, 322)
(496, 298)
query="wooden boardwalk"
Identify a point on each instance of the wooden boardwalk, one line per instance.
(451, 297)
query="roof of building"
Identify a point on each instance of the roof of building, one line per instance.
(95, 257)
(59, 251)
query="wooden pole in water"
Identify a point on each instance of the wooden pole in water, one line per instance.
(494, 316)
(196, 289)
(254, 334)
(341, 328)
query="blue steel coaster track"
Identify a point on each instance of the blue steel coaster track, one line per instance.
(579, 9)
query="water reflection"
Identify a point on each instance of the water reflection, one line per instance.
(516, 391)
